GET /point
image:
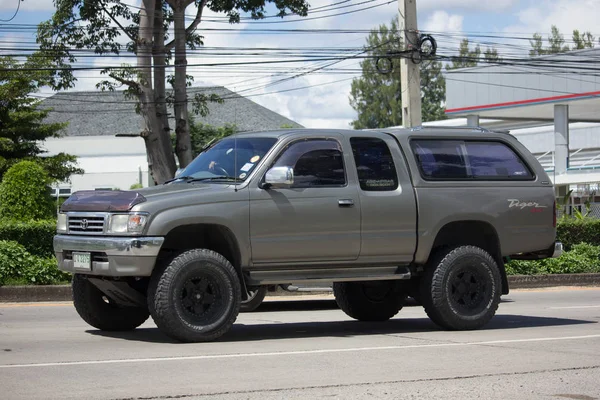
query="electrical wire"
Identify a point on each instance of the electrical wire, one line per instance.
(15, 14)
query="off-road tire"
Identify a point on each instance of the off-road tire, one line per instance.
(461, 288)
(256, 296)
(100, 312)
(369, 301)
(197, 297)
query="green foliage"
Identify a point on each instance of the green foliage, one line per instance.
(22, 125)
(582, 258)
(468, 57)
(571, 231)
(376, 96)
(24, 193)
(35, 236)
(556, 42)
(18, 266)
(136, 186)
(203, 134)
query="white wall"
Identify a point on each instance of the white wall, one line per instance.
(108, 161)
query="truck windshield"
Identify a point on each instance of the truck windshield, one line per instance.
(229, 159)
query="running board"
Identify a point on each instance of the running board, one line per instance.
(328, 275)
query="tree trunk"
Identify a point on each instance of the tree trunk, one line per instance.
(182, 129)
(159, 70)
(160, 153)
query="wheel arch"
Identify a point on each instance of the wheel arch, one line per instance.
(476, 233)
(215, 237)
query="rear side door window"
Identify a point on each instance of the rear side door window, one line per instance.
(374, 164)
(316, 163)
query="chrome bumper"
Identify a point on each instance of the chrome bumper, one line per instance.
(111, 256)
(558, 250)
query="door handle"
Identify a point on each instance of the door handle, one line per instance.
(346, 203)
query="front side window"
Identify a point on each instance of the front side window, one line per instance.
(468, 159)
(316, 163)
(374, 164)
(229, 158)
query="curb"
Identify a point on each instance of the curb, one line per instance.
(30, 294)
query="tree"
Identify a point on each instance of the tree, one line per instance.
(22, 125)
(556, 42)
(583, 40)
(203, 134)
(24, 193)
(110, 27)
(377, 97)
(471, 58)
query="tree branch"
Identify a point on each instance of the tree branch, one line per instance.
(190, 29)
(124, 81)
(119, 24)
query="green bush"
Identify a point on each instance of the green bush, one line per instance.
(24, 193)
(13, 260)
(582, 258)
(571, 231)
(17, 266)
(35, 236)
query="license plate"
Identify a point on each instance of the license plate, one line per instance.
(82, 261)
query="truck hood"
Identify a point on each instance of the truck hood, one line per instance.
(125, 200)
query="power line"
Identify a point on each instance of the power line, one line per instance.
(15, 14)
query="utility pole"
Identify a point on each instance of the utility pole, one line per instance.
(410, 79)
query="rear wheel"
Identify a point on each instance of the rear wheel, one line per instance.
(461, 288)
(101, 312)
(256, 295)
(369, 301)
(197, 297)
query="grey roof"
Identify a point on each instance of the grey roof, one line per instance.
(98, 113)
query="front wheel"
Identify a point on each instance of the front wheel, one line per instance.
(461, 288)
(100, 311)
(197, 297)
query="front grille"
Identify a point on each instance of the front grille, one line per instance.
(86, 224)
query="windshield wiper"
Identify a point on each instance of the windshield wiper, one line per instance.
(186, 178)
(214, 178)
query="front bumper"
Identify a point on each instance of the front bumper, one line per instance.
(558, 250)
(110, 256)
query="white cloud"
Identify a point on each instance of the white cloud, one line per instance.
(8, 6)
(471, 5)
(567, 15)
(441, 21)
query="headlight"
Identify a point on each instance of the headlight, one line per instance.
(61, 223)
(127, 223)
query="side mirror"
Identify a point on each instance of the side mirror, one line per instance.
(279, 177)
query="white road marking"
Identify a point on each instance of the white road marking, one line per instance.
(292, 353)
(572, 307)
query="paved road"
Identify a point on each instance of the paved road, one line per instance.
(541, 345)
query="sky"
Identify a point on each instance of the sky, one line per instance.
(318, 99)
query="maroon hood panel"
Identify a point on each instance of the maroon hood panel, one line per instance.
(102, 200)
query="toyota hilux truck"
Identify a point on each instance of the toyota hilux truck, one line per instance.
(431, 213)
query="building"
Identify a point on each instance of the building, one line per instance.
(104, 127)
(550, 103)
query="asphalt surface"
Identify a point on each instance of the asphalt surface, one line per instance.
(541, 345)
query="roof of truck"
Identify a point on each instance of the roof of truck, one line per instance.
(421, 131)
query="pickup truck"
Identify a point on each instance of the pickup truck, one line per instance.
(431, 213)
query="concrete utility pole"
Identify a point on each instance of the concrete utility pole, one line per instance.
(410, 78)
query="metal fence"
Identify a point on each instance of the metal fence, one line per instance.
(594, 210)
